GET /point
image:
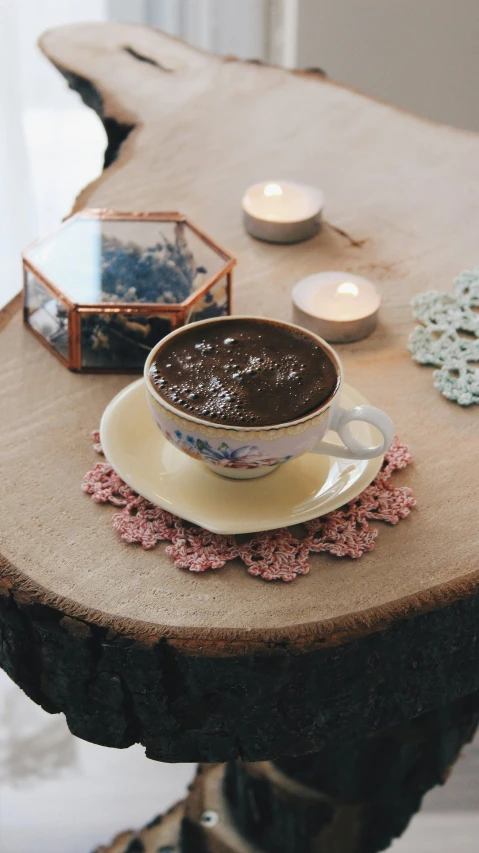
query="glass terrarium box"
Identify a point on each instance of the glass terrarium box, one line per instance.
(106, 287)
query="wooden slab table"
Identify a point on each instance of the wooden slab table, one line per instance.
(335, 701)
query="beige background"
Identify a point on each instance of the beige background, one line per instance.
(417, 54)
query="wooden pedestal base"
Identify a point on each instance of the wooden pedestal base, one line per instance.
(348, 798)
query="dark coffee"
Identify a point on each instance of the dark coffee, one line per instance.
(244, 372)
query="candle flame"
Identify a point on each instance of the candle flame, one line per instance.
(272, 189)
(348, 287)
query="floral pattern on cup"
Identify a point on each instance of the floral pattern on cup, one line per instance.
(246, 456)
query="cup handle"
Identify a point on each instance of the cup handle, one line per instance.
(352, 448)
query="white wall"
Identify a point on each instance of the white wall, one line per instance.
(422, 55)
(41, 85)
(237, 27)
(50, 145)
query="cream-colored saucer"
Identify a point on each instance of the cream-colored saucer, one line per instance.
(296, 491)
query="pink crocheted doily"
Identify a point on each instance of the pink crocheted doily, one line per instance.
(272, 555)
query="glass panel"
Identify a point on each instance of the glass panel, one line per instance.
(95, 260)
(120, 341)
(46, 315)
(213, 304)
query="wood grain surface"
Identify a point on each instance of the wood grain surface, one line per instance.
(190, 131)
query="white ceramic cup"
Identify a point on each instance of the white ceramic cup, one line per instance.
(243, 453)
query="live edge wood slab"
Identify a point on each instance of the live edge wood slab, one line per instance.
(211, 667)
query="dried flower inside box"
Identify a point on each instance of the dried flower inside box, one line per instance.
(106, 286)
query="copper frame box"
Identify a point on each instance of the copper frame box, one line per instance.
(91, 289)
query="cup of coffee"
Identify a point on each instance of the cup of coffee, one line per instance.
(246, 394)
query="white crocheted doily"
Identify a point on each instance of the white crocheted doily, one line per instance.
(448, 337)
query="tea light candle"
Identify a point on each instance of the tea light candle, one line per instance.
(337, 306)
(282, 211)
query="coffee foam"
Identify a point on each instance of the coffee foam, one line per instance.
(244, 372)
